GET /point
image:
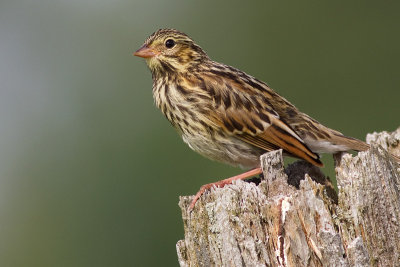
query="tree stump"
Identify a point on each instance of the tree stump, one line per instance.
(294, 217)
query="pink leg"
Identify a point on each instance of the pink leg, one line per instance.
(222, 183)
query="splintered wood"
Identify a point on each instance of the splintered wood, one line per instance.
(290, 221)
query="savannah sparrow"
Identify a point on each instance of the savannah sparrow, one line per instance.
(228, 115)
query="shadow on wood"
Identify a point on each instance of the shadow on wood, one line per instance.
(289, 221)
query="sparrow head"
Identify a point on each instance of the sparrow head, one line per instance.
(170, 51)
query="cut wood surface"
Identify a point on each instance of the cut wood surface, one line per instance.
(294, 217)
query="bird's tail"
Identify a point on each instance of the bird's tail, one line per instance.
(355, 144)
(349, 142)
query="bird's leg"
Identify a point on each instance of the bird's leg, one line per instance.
(222, 183)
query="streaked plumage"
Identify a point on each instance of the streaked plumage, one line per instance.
(226, 114)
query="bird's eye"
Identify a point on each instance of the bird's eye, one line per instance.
(169, 43)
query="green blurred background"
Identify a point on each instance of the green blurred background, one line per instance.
(90, 171)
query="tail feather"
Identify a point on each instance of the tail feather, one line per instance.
(357, 145)
(350, 142)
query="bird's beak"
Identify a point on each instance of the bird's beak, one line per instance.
(145, 52)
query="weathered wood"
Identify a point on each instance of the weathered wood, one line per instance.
(286, 221)
(369, 200)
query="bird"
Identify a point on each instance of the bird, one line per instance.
(228, 115)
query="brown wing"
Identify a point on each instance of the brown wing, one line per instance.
(245, 112)
(283, 136)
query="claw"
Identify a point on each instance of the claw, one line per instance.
(222, 183)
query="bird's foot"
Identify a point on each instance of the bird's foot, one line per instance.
(222, 183)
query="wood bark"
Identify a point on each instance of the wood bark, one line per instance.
(294, 216)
